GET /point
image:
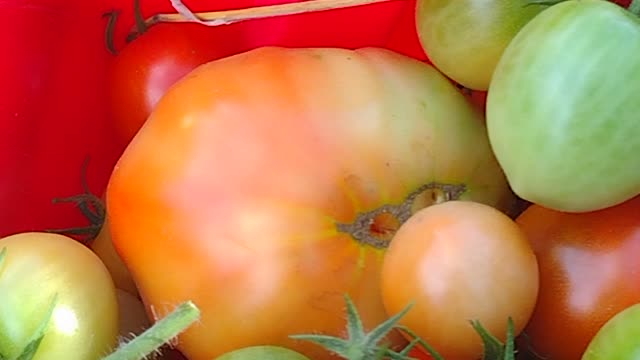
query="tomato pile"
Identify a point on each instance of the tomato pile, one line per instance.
(360, 179)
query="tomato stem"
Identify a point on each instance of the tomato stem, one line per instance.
(112, 18)
(159, 334)
(634, 7)
(226, 17)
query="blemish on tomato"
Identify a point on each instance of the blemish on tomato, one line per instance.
(378, 226)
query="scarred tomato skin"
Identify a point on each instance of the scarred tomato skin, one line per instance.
(588, 273)
(244, 187)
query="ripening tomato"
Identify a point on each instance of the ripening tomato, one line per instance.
(588, 272)
(143, 71)
(102, 245)
(266, 185)
(562, 107)
(460, 261)
(52, 274)
(145, 68)
(465, 39)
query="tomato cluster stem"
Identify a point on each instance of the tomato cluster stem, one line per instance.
(159, 334)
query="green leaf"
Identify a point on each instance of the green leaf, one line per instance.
(31, 348)
(493, 348)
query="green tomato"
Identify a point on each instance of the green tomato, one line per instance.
(263, 353)
(48, 276)
(618, 339)
(563, 107)
(465, 38)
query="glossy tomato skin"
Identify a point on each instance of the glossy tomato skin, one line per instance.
(588, 273)
(39, 267)
(248, 167)
(53, 111)
(144, 69)
(465, 39)
(563, 127)
(618, 337)
(460, 261)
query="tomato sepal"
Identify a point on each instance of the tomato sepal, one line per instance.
(494, 348)
(359, 345)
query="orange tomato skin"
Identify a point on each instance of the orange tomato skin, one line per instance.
(231, 193)
(589, 271)
(102, 246)
(460, 261)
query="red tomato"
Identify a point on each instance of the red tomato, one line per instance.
(588, 272)
(53, 111)
(147, 67)
(252, 185)
(144, 69)
(460, 261)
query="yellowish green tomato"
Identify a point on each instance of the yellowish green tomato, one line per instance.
(49, 276)
(465, 38)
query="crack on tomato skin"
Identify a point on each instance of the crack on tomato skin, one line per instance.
(363, 228)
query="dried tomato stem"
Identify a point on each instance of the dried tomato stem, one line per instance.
(216, 18)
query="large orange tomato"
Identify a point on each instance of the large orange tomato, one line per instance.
(589, 271)
(266, 185)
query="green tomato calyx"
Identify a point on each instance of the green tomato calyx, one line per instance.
(362, 345)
